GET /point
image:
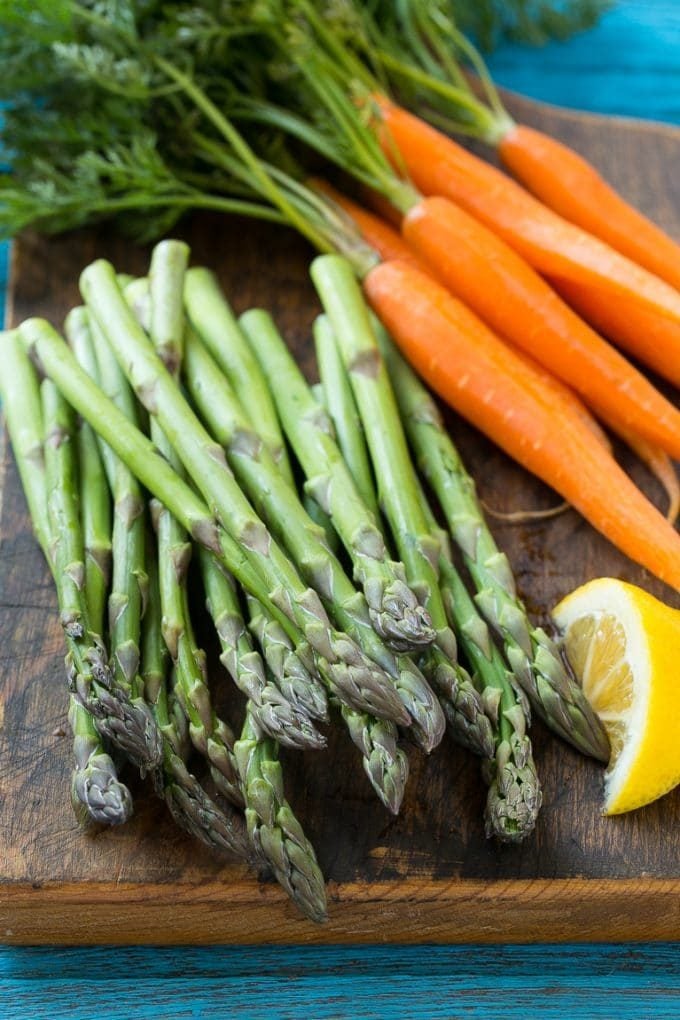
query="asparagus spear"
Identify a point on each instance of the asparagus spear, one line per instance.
(189, 804)
(354, 678)
(215, 323)
(94, 783)
(128, 584)
(275, 715)
(162, 294)
(533, 657)
(398, 490)
(394, 609)
(514, 796)
(96, 791)
(384, 762)
(285, 664)
(342, 410)
(279, 506)
(273, 828)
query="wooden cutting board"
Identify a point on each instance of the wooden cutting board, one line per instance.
(428, 875)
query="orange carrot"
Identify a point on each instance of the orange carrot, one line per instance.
(645, 334)
(554, 247)
(497, 284)
(475, 372)
(572, 187)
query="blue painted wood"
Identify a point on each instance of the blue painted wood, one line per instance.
(434, 982)
(629, 65)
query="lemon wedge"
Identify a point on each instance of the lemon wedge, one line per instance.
(624, 647)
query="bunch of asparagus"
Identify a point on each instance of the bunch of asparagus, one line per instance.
(161, 429)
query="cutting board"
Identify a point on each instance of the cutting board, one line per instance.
(428, 875)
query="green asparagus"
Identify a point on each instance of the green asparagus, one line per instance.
(96, 792)
(398, 489)
(189, 804)
(385, 764)
(514, 796)
(355, 679)
(394, 609)
(342, 410)
(273, 828)
(276, 715)
(533, 657)
(162, 293)
(215, 323)
(279, 506)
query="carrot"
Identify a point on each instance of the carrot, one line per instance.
(551, 245)
(648, 337)
(475, 372)
(497, 284)
(572, 187)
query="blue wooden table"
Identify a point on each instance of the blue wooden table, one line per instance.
(629, 65)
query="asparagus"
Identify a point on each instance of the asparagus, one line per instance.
(209, 734)
(514, 796)
(96, 792)
(272, 826)
(398, 490)
(215, 323)
(279, 506)
(394, 609)
(189, 804)
(275, 715)
(342, 410)
(142, 457)
(533, 657)
(285, 664)
(354, 678)
(128, 582)
(275, 831)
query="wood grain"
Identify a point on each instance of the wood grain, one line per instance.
(428, 875)
(376, 983)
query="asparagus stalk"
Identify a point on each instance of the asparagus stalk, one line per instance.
(96, 792)
(275, 831)
(394, 609)
(533, 657)
(398, 490)
(162, 294)
(285, 664)
(278, 504)
(514, 796)
(342, 410)
(190, 806)
(354, 678)
(215, 323)
(275, 715)
(128, 584)
(48, 349)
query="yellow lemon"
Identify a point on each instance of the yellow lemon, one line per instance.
(624, 647)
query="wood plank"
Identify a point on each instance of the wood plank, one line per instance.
(428, 875)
